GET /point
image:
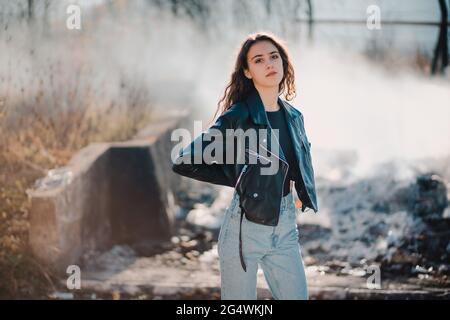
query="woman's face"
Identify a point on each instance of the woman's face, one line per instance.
(263, 60)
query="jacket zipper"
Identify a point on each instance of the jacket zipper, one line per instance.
(240, 175)
(258, 155)
(285, 173)
(287, 170)
(244, 169)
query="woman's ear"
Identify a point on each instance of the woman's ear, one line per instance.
(247, 74)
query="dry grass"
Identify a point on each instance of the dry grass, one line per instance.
(59, 91)
(378, 51)
(34, 140)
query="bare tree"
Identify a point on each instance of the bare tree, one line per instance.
(31, 4)
(441, 50)
(309, 11)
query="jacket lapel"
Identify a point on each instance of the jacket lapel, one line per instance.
(258, 115)
(256, 108)
(258, 112)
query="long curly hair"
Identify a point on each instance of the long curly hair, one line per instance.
(240, 86)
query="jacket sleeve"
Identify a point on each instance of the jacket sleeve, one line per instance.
(213, 172)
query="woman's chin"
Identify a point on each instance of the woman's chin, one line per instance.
(269, 84)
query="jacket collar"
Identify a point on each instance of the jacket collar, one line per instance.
(258, 112)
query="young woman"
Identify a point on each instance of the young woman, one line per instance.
(260, 226)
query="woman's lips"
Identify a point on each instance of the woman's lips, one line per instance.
(271, 74)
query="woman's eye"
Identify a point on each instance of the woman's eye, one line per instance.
(275, 56)
(258, 60)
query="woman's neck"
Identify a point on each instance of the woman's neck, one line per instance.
(269, 97)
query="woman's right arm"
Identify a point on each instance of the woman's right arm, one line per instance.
(202, 170)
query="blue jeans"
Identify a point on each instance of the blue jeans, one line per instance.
(274, 248)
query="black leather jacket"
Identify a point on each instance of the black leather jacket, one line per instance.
(259, 194)
(262, 192)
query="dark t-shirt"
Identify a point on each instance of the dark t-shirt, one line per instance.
(277, 120)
